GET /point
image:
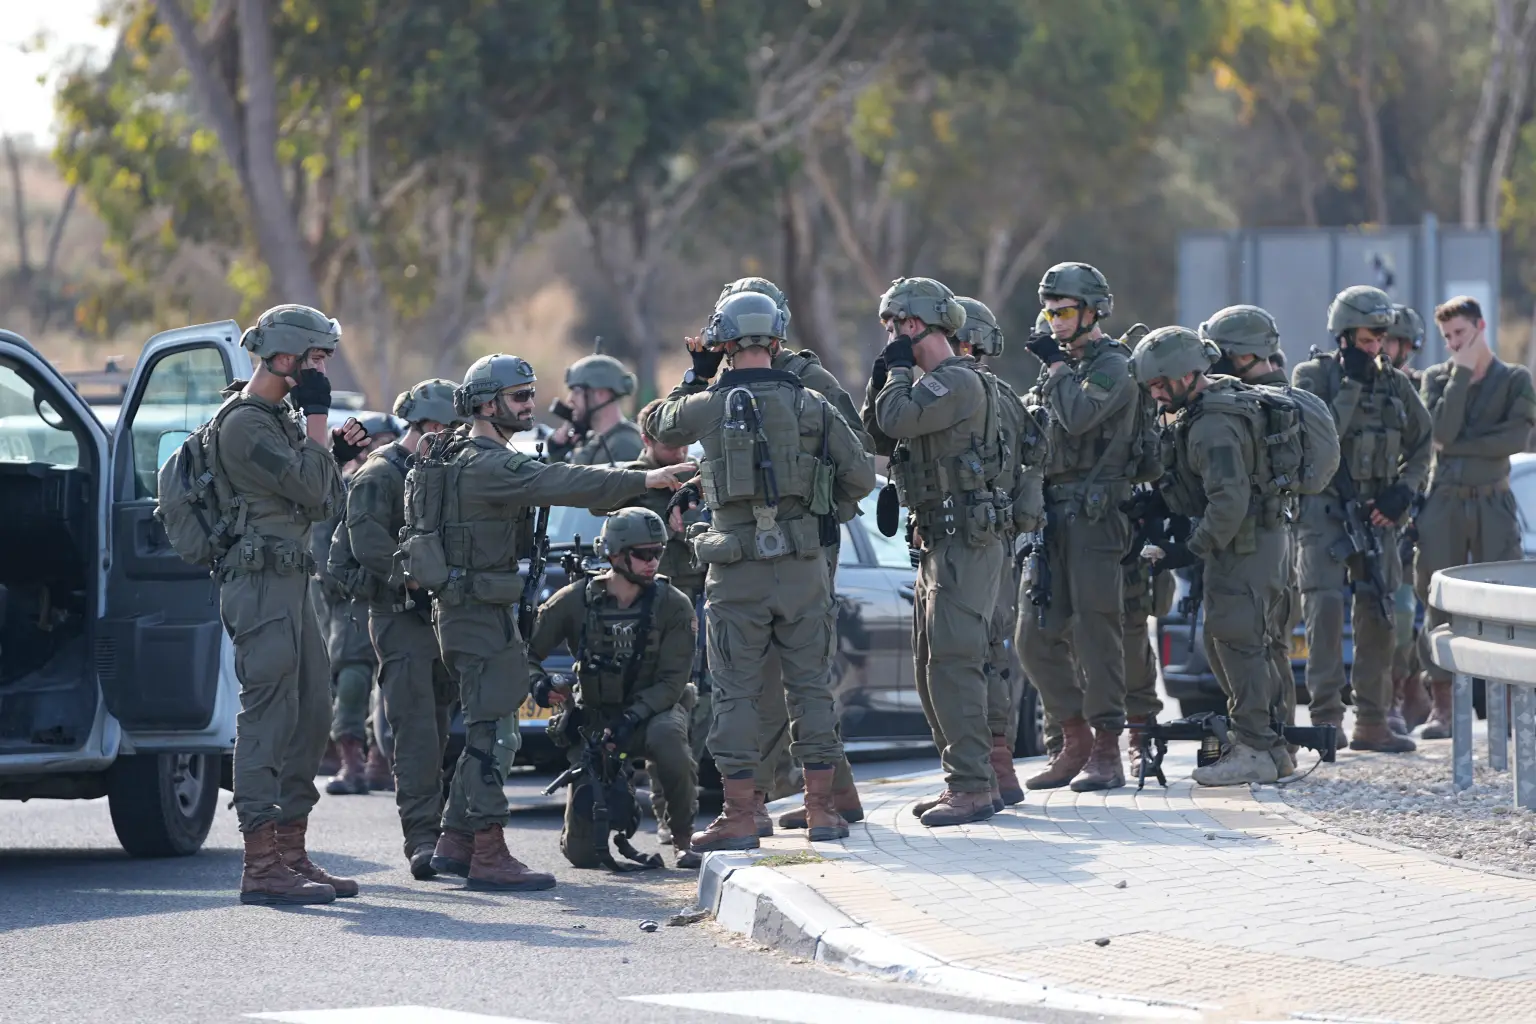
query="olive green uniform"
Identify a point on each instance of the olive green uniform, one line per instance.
(1405, 660)
(767, 583)
(344, 624)
(287, 483)
(619, 444)
(942, 431)
(1384, 438)
(1091, 412)
(491, 494)
(1240, 536)
(419, 694)
(604, 638)
(1470, 514)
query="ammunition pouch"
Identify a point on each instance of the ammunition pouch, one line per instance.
(254, 553)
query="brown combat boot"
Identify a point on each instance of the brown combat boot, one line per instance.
(955, 808)
(1104, 769)
(330, 761)
(1439, 725)
(492, 868)
(1414, 702)
(1076, 743)
(1135, 725)
(380, 773)
(290, 842)
(735, 828)
(1379, 736)
(453, 853)
(760, 816)
(845, 800)
(825, 824)
(352, 779)
(1001, 759)
(267, 881)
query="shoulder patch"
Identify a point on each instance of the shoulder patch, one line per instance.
(1101, 380)
(933, 384)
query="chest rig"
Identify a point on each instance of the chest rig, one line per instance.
(613, 645)
(1370, 428)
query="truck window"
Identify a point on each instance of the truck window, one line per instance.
(32, 429)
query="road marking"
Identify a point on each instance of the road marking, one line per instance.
(812, 1008)
(388, 1015)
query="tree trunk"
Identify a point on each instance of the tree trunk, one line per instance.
(1514, 115)
(51, 260)
(1487, 107)
(1376, 169)
(19, 208)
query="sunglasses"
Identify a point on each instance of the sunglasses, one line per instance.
(525, 395)
(1059, 314)
(646, 554)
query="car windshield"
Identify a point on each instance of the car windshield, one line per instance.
(566, 522)
(32, 429)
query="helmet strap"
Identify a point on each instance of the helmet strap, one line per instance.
(1082, 328)
(623, 564)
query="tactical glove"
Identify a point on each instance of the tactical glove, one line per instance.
(344, 451)
(312, 393)
(706, 363)
(879, 373)
(1047, 348)
(1357, 364)
(542, 690)
(624, 729)
(685, 498)
(898, 352)
(1393, 501)
(1176, 556)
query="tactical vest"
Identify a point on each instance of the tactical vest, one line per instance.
(1371, 442)
(1184, 490)
(1123, 448)
(615, 646)
(342, 566)
(954, 480)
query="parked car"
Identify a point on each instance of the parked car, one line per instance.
(116, 676)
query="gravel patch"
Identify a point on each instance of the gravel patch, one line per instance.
(1408, 799)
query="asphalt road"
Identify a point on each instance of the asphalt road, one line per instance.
(88, 935)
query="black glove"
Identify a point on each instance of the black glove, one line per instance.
(1176, 556)
(706, 363)
(685, 498)
(623, 729)
(1047, 348)
(344, 451)
(1357, 363)
(898, 352)
(1393, 501)
(878, 373)
(312, 393)
(541, 691)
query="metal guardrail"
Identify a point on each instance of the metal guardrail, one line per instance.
(1491, 636)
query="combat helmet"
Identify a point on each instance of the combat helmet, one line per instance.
(600, 371)
(430, 400)
(926, 299)
(630, 528)
(760, 285)
(1078, 281)
(747, 318)
(1360, 306)
(378, 423)
(1171, 353)
(1407, 325)
(1243, 330)
(980, 331)
(291, 330)
(488, 377)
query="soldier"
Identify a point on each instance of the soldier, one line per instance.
(284, 474)
(468, 505)
(779, 462)
(596, 431)
(1022, 477)
(1092, 406)
(942, 432)
(1239, 535)
(1410, 704)
(418, 692)
(1482, 409)
(632, 634)
(1384, 437)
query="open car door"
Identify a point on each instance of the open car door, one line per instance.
(161, 648)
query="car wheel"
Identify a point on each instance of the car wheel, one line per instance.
(1030, 741)
(162, 805)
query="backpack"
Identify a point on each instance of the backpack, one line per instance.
(198, 507)
(1298, 441)
(342, 566)
(429, 484)
(1145, 464)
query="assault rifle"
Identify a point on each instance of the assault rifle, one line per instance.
(1362, 538)
(1213, 732)
(1037, 571)
(538, 566)
(605, 792)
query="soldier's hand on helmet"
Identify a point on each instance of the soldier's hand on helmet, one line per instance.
(705, 363)
(898, 353)
(348, 441)
(312, 392)
(1046, 347)
(667, 476)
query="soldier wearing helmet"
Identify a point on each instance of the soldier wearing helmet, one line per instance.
(596, 431)
(482, 497)
(633, 635)
(1092, 407)
(418, 693)
(1384, 443)
(943, 433)
(279, 459)
(1240, 541)
(779, 464)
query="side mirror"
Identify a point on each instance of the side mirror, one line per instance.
(170, 440)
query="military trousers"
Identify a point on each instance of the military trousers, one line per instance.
(755, 605)
(696, 713)
(1244, 594)
(1084, 628)
(951, 630)
(1461, 526)
(662, 740)
(1003, 676)
(285, 690)
(419, 695)
(1143, 594)
(486, 656)
(1324, 567)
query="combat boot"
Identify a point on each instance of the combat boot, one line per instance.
(955, 808)
(1380, 737)
(1439, 725)
(492, 868)
(267, 881)
(1104, 769)
(1285, 764)
(330, 761)
(380, 774)
(1001, 759)
(352, 779)
(735, 828)
(453, 853)
(1414, 702)
(1135, 725)
(761, 819)
(1076, 744)
(686, 858)
(825, 824)
(421, 862)
(1395, 721)
(845, 800)
(1240, 764)
(290, 842)
(663, 834)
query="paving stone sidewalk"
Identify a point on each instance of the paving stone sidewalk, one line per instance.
(1223, 899)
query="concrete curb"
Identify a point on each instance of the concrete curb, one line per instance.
(768, 907)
